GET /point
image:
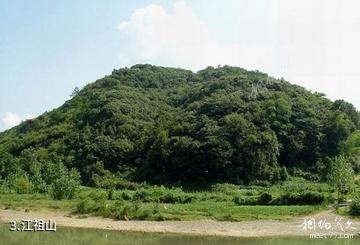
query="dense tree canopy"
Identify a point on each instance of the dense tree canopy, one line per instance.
(167, 125)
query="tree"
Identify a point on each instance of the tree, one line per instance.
(75, 92)
(352, 149)
(342, 176)
(339, 129)
(64, 183)
(156, 164)
(348, 109)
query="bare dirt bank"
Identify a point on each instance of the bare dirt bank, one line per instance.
(256, 228)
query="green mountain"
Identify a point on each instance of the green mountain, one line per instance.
(173, 126)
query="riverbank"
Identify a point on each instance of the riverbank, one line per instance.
(257, 228)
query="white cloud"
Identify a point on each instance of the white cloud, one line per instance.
(178, 39)
(11, 119)
(311, 43)
(182, 39)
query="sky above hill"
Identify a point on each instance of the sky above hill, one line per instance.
(49, 48)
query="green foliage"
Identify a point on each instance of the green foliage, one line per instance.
(162, 195)
(85, 206)
(240, 200)
(355, 207)
(349, 110)
(352, 149)
(301, 198)
(119, 210)
(107, 182)
(338, 131)
(175, 127)
(228, 189)
(265, 198)
(22, 185)
(300, 185)
(223, 210)
(342, 176)
(284, 175)
(262, 183)
(64, 183)
(353, 143)
(126, 196)
(165, 203)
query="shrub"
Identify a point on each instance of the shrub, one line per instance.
(329, 198)
(265, 198)
(159, 217)
(187, 198)
(4, 188)
(225, 188)
(302, 198)
(160, 194)
(125, 195)
(284, 174)
(66, 185)
(143, 213)
(127, 185)
(85, 206)
(301, 185)
(123, 211)
(63, 183)
(239, 200)
(134, 211)
(22, 185)
(357, 182)
(142, 195)
(355, 208)
(97, 195)
(250, 192)
(170, 198)
(217, 197)
(312, 198)
(263, 183)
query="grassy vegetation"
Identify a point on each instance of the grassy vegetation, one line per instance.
(35, 202)
(224, 202)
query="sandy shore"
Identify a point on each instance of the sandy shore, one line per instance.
(256, 228)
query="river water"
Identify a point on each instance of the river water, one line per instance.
(73, 236)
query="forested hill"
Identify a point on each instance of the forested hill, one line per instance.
(173, 126)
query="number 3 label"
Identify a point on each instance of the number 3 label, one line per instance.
(12, 226)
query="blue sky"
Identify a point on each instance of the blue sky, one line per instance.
(49, 47)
